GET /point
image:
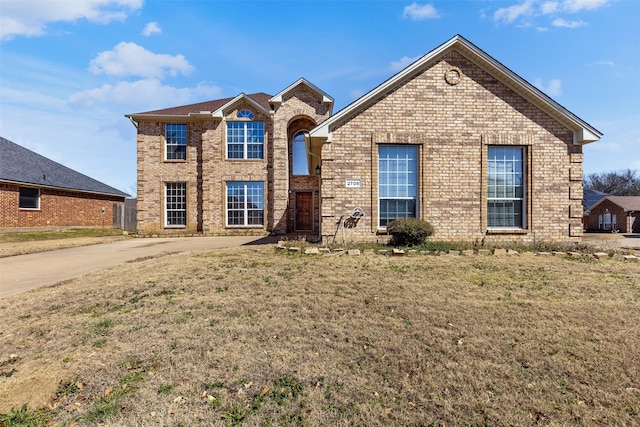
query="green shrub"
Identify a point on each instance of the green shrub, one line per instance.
(409, 231)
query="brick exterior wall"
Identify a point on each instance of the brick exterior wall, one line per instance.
(206, 169)
(626, 222)
(58, 208)
(452, 125)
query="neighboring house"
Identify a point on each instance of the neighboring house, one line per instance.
(38, 192)
(456, 138)
(615, 213)
(589, 198)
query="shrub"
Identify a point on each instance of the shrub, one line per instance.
(409, 231)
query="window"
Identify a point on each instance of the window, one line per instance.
(506, 187)
(245, 203)
(175, 135)
(299, 155)
(397, 182)
(29, 198)
(607, 220)
(176, 204)
(245, 139)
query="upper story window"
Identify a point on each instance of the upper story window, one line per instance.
(506, 204)
(299, 155)
(29, 198)
(175, 136)
(245, 139)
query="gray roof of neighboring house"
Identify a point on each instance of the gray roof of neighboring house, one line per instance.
(22, 166)
(590, 198)
(628, 203)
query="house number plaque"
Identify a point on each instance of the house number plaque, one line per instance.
(353, 183)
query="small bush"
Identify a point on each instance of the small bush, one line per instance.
(409, 231)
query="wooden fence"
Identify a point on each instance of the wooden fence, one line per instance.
(124, 216)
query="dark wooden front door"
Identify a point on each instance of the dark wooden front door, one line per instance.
(304, 211)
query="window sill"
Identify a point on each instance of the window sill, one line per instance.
(244, 160)
(507, 231)
(175, 160)
(29, 209)
(175, 226)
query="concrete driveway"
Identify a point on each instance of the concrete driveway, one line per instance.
(24, 272)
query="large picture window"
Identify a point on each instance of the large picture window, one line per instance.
(29, 198)
(245, 139)
(175, 136)
(245, 203)
(397, 182)
(506, 187)
(176, 204)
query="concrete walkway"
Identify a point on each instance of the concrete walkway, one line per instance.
(24, 272)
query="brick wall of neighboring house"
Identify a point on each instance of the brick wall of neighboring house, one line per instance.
(58, 208)
(452, 125)
(622, 221)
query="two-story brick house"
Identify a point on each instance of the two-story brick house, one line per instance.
(455, 138)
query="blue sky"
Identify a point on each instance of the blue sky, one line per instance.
(70, 70)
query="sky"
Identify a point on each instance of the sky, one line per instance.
(71, 70)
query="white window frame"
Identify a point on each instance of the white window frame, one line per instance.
(496, 199)
(244, 118)
(606, 223)
(244, 209)
(168, 142)
(29, 208)
(175, 206)
(408, 187)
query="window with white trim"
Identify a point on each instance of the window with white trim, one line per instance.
(245, 203)
(175, 204)
(29, 198)
(175, 136)
(607, 220)
(245, 139)
(506, 187)
(299, 155)
(397, 182)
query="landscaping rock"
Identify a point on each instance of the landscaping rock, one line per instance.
(312, 251)
(512, 252)
(484, 252)
(559, 254)
(353, 252)
(456, 253)
(324, 250)
(412, 252)
(543, 253)
(398, 252)
(630, 258)
(294, 249)
(383, 252)
(467, 252)
(574, 254)
(499, 251)
(601, 255)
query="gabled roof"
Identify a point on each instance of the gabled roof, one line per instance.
(627, 203)
(326, 99)
(583, 132)
(591, 197)
(21, 166)
(215, 107)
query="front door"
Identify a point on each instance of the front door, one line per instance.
(304, 211)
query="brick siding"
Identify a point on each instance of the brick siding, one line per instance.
(58, 208)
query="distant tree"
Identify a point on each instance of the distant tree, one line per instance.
(620, 183)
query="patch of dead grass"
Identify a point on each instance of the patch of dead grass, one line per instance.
(250, 336)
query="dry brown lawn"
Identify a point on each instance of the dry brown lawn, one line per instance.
(251, 336)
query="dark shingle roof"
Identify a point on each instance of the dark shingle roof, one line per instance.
(590, 198)
(19, 165)
(261, 98)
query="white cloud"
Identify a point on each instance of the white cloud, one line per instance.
(606, 63)
(402, 63)
(141, 95)
(130, 59)
(151, 28)
(573, 6)
(554, 88)
(542, 29)
(417, 12)
(549, 7)
(509, 14)
(561, 23)
(30, 18)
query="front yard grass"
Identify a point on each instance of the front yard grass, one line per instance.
(251, 336)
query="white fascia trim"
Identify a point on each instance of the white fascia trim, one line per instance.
(219, 113)
(277, 99)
